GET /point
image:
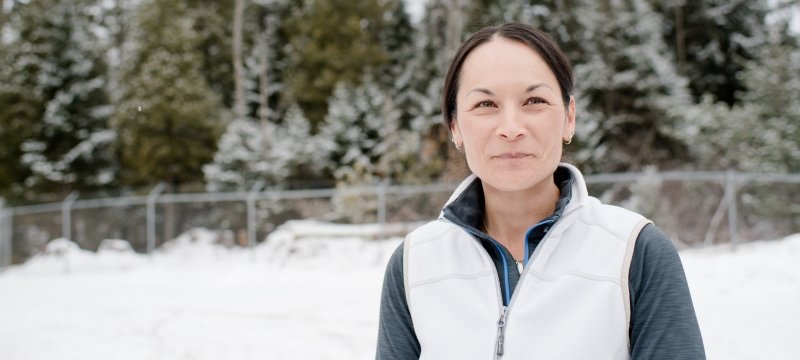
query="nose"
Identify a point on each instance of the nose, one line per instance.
(510, 127)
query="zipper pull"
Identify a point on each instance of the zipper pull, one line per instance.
(501, 324)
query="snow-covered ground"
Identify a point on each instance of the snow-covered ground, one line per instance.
(316, 298)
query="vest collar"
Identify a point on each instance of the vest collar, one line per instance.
(466, 205)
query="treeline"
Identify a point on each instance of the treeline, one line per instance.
(105, 96)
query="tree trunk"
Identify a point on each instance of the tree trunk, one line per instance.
(238, 72)
(680, 37)
(2, 18)
(456, 22)
(263, 80)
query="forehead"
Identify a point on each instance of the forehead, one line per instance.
(503, 62)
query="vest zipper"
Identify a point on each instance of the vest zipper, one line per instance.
(504, 310)
(501, 325)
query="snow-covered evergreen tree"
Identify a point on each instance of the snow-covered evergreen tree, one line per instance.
(293, 145)
(56, 67)
(360, 119)
(412, 80)
(236, 163)
(625, 86)
(773, 80)
(329, 42)
(169, 118)
(275, 154)
(493, 12)
(760, 132)
(396, 37)
(20, 109)
(711, 42)
(439, 33)
(20, 106)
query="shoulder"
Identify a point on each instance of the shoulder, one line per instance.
(431, 229)
(663, 322)
(653, 245)
(434, 230)
(394, 267)
(656, 264)
(597, 212)
(396, 336)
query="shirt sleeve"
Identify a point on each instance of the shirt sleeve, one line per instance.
(396, 337)
(663, 321)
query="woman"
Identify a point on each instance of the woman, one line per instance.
(522, 263)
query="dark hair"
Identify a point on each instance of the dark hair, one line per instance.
(536, 39)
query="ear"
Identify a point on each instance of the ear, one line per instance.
(455, 132)
(569, 122)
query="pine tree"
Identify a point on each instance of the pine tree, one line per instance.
(711, 41)
(760, 132)
(265, 62)
(272, 142)
(436, 43)
(279, 155)
(236, 164)
(330, 42)
(407, 81)
(555, 17)
(359, 121)
(56, 81)
(773, 80)
(625, 87)
(20, 106)
(396, 38)
(494, 12)
(211, 25)
(169, 118)
(293, 145)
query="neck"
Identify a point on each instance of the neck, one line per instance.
(509, 215)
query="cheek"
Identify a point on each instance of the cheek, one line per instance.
(466, 128)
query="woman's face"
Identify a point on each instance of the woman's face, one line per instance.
(510, 116)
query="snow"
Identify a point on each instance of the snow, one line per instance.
(416, 9)
(196, 299)
(748, 299)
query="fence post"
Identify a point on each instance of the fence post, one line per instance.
(151, 216)
(66, 215)
(6, 233)
(251, 213)
(382, 207)
(730, 195)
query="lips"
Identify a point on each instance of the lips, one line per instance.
(512, 155)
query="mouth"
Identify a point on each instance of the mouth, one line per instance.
(512, 156)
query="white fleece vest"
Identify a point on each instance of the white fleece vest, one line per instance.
(571, 302)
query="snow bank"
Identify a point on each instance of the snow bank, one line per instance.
(748, 299)
(316, 297)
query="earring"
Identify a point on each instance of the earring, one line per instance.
(569, 140)
(458, 146)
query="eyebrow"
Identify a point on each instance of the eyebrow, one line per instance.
(535, 86)
(528, 89)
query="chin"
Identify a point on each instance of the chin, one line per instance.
(513, 182)
(517, 178)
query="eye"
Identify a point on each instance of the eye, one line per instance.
(535, 101)
(484, 104)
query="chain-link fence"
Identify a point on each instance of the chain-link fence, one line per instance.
(693, 208)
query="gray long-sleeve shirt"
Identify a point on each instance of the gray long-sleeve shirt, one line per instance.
(663, 324)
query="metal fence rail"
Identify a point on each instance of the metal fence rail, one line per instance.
(730, 182)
